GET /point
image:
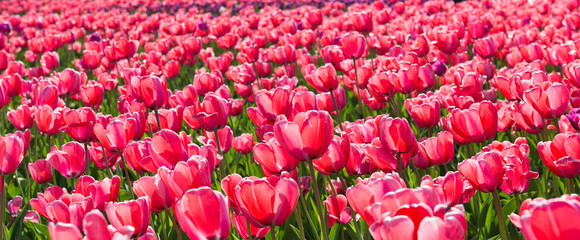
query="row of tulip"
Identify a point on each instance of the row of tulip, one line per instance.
(318, 120)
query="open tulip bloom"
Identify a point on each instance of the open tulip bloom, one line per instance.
(319, 120)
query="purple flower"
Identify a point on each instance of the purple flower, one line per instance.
(5, 28)
(439, 68)
(574, 117)
(95, 37)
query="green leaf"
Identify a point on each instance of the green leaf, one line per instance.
(294, 231)
(15, 231)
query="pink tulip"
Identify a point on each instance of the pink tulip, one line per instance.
(308, 136)
(204, 214)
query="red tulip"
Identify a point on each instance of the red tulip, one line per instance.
(272, 157)
(12, 151)
(337, 210)
(138, 157)
(134, 213)
(213, 114)
(79, 123)
(126, 48)
(116, 135)
(40, 171)
(549, 99)
(207, 82)
(171, 119)
(69, 160)
(241, 224)
(396, 135)
(150, 90)
(561, 156)
(22, 118)
(92, 93)
(48, 95)
(308, 136)
(484, 171)
(244, 143)
(274, 204)
(95, 227)
(476, 124)
(438, 150)
(353, 45)
(204, 214)
(323, 79)
(159, 195)
(452, 187)
(362, 21)
(425, 111)
(484, 47)
(446, 40)
(549, 219)
(166, 149)
(194, 173)
(91, 59)
(334, 159)
(274, 103)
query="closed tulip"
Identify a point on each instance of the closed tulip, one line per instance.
(213, 114)
(134, 213)
(438, 150)
(22, 118)
(308, 136)
(150, 90)
(561, 156)
(166, 149)
(116, 134)
(425, 112)
(92, 93)
(484, 171)
(204, 214)
(323, 79)
(11, 154)
(353, 45)
(194, 173)
(396, 135)
(272, 156)
(549, 219)
(476, 124)
(337, 210)
(244, 143)
(159, 195)
(274, 204)
(274, 103)
(549, 99)
(69, 160)
(48, 121)
(91, 59)
(40, 171)
(79, 123)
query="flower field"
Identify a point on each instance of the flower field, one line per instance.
(317, 120)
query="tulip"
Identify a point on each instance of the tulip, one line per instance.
(518, 175)
(104, 191)
(424, 111)
(79, 123)
(452, 187)
(560, 155)
(337, 210)
(549, 99)
(194, 173)
(275, 103)
(272, 157)
(150, 90)
(273, 206)
(22, 118)
(438, 150)
(353, 45)
(244, 143)
(323, 79)
(158, 193)
(40, 171)
(476, 124)
(333, 160)
(396, 135)
(92, 93)
(48, 121)
(362, 21)
(91, 59)
(166, 149)
(69, 160)
(116, 134)
(548, 219)
(308, 136)
(134, 213)
(213, 114)
(12, 150)
(241, 224)
(204, 214)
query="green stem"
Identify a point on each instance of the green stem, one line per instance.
(400, 170)
(500, 216)
(224, 161)
(127, 179)
(272, 233)
(362, 111)
(3, 203)
(321, 214)
(88, 166)
(249, 230)
(337, 110)
(158, 122)
(174, 222)
(298, 209)
(518, 202)
(556, 185)
(570, 182)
